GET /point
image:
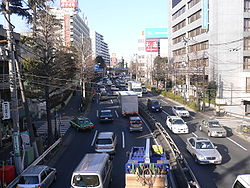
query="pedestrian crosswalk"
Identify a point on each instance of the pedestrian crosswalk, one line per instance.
(62, 127)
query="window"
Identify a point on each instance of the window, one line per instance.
(178, 39)
(246, 43)
(180, 51)
(194, 17)
(195, 32)
(246, 64)
(192, 3)
(198, 47)
(247, 6)
(248, 84)
(178, 13)
(179, 25)
(246, 24)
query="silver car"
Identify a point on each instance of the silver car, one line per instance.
(203, 151)
(213, 128)
(37, 176)
(106, 142)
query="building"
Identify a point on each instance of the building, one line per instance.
(149, 45)
(209, 41)
(99, 47)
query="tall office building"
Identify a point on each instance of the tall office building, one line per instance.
(209, 40)
(99, 47)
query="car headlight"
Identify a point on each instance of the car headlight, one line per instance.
(153, 107)
(201, 157)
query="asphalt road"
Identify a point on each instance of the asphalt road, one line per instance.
(234, 150)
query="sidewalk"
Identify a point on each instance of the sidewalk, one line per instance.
(229, 121)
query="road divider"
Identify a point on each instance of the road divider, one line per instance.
(93, 141)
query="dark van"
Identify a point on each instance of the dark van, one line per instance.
(154, 105)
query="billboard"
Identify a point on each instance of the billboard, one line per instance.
(156, 33)
(151, 45)
(69, 3)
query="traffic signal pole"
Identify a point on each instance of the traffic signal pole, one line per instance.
(13, 91)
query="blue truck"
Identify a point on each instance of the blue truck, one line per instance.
(147, 167)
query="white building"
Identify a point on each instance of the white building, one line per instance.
(211, 38)
(99, 47)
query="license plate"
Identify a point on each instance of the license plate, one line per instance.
(106, 118)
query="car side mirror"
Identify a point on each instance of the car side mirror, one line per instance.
(215, 147)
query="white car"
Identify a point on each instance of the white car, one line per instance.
(176, 124)
(203, 151)
(180, 111)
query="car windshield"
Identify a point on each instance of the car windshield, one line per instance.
(204, 145)
(156, 103)
(137, 89)
(136, 122)
(214, 124)
(105, 113)
(86, 181)
(29, 180)
(104, 141)
(180, 108)
(178, 121)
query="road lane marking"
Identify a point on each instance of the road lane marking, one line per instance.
(165, 112)
(116, 114)
(93, 141)
(123, 140)
(149, 130)
(97, 113)
(236, 143)
(164, 101)
(195, 135)
(112, 101)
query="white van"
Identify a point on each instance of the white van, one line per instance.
(242, 181)
(93, 171)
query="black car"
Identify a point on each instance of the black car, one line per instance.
(154, 105)
(105, 115)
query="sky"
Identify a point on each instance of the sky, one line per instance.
(119, 21)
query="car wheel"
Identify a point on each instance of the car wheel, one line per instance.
(209, 134)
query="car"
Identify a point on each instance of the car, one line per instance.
(144, 90)
(213, 128)
(105, 115)
(37, 176)
(176, 124)
(106, 142)
(203, 150)
(103, 96)
(154, 105)
(81, 123)
(180, 111)
(135, 123)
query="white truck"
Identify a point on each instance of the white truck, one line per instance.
(136, 87)
(128, 102)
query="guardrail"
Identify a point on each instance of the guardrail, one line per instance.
(189, 180)
(38, 160)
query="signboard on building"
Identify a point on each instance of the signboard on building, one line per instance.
(67, 30)
(151, 45)
(69, 3)
(156, 33)
(204, 14)
(6, 110)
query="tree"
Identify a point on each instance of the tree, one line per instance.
(53, 67)
(160, 69)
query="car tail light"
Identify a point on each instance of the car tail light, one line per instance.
(131, 122)
(140, 121)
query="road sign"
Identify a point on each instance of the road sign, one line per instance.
(6, 110)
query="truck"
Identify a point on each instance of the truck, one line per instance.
(129, 102)
(136, 87)
(147, 167)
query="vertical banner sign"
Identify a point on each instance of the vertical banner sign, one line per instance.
(204, 14)
(67, 30)
(6, 110)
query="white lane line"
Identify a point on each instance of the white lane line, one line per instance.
(112, 101)
(194, 134)
(123, 140)
(165, 112)
(164, 101)
(116, 114)
(149, 130)
(236, 143)
(97, 113)
(93, 141)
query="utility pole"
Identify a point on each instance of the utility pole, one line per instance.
(13, 91)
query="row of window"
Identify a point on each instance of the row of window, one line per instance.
(199, 63)
(180, 51)
(179, 25)
(198, 47)
(192, 3)
(247, 5)
(178, 39)
(194, 17)
(196, 32)
(179, 12)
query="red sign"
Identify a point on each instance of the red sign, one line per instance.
(151, 45)
(69, 3)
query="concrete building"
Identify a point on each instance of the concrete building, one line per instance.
(210, 40)
(99, 47)
(145, 56)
